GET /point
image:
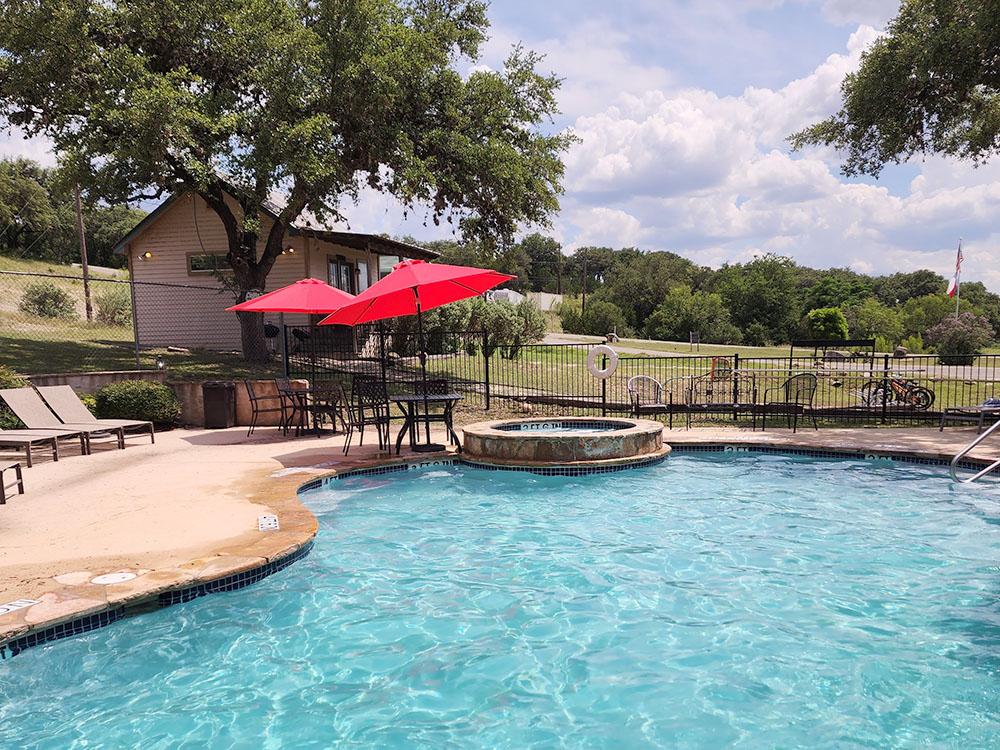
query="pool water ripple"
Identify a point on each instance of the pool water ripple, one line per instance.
(745, 601)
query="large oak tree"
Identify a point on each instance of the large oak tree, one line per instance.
(930, 84)
(313, 99)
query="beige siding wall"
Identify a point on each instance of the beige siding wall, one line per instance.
(195, 318)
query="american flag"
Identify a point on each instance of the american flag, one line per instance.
(953, 286)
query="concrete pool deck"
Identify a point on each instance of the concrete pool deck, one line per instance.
(185, 510)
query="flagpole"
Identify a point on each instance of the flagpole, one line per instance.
(958, 278)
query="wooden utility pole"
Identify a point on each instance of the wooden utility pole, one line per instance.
(83, 255)
(584, 304)
(559, 273)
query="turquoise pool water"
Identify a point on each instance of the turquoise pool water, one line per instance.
(745, 601)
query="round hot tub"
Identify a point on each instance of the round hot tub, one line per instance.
(563, 441)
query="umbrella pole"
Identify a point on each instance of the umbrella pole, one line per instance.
(427, 447)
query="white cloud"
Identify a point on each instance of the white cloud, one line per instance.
(713, 178)
(14, 144)
(873, 12)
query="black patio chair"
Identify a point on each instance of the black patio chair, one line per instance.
(369, 406)
(324, 402)
(261, 403)
(792, 398)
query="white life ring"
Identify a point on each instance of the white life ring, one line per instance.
(602, 350)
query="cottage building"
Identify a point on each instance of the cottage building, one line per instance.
(176, 253)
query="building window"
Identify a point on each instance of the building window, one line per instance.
(206, 263)
(340, 273)
(385, 264)
(363, 281)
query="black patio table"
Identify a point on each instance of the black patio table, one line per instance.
(304, 402)
(410, 403)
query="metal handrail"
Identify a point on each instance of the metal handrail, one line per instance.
(953, 467)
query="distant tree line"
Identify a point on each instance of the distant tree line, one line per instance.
(768, 300)
(38, 217)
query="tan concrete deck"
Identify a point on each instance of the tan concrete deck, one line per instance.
(185, 509)
(175, 513)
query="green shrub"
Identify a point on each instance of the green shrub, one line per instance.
(757, 334)
(10, 379)
(600, 318)
(884, 345)
(138, 399)
(114, 306)
(46, 300)
(827, 323)
(914, 344)
(89, 401)
(958, 340)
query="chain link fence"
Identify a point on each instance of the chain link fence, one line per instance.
(47, 326)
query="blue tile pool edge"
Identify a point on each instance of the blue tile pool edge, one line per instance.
(164, 599)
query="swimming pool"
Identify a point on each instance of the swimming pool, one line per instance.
(747, 600)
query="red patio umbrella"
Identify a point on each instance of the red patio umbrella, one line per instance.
(413, 287)
(308, 296)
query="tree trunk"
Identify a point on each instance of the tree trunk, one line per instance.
(252, 340)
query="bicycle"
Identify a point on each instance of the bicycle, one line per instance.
(897, 391)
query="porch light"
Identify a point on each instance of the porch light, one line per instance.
(146, 255)
(160, 364)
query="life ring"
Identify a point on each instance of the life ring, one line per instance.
(612, 364)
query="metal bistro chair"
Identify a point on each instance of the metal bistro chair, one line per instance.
(435, 387)
(322, 402)
(369, 406)
(256, 410)
(796, 396)
(646, 395)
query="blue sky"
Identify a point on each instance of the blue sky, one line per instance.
(682, 108)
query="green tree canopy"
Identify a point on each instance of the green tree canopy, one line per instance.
(871, 319)
(827, 323)
(683, 311)
(762, 295)
(312, 100)
(38, 218)
(930, 84)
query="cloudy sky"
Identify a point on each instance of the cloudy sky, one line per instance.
(683, 108)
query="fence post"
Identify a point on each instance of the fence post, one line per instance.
(885, 387)
(604, 387)
(486, 368)
(284, 346)
(135, 314)
(736, 385)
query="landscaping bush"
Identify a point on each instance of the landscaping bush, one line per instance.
(827, 323)
(138, 399)
(46, 300)
(89, 401)
(10, 379)
(958, 341)
(114, 306)
(600, 318)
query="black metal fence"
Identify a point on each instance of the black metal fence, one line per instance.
(45, 327)
(549, 379)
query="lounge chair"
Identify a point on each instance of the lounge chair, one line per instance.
(988, 410)
(18, 480)
(27, 440)
(62, 399)
(28, 406)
